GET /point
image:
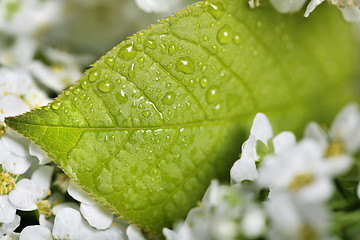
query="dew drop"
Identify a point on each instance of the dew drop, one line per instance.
(146, 113)
(168, 85)
(150, 44)
(203, 69)
(93, 76)
(127, 52)
(216, 9)
(205, 38)
(56, 105)
(204, 83)
(163, 48)
(224, 35)
(185, 65)
(85, 85)
(121, 97)
(171, 49)
(237, 39)
(67, 92)
(46, 108)
(106, 86)
(212, 94)
(132, 70)
(77, 91)
(109, 61)
(168, 98)
(141, 60)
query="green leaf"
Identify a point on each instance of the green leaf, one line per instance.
(164, 112)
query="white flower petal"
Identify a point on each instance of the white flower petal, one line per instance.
(134, 233)
(334, 166)
(346, 127)
(4, 153)
(249, 148)
(116, 231)
(6, 228)
(261, 128)
(12, 105)
(312, 5)
(170, 234)
(15, 143)
(78, 193)
(67, 224)
(17, 165)
(7, 210)
(44, 222)
(25, 195)
(244, 169)
(351, 14)
(157, 6)
(57, 208)
(36, 151)
(253, 223)
(318, 191)
(35, 232)
(287, 6)
(283, 140)
(96, 215)
(42, 176)
(212, 195)
(315, 132)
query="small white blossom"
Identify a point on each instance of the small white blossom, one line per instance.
(341, 142)
(298, 171)
(261, 130)
(349, 8)
(292, 219)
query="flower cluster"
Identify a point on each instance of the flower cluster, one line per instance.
(349, 8)
(283, 189)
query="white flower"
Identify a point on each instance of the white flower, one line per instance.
(261, 130)
(287, 6)
(349, 8)
(96, 215)
(341, 142)
(291, 219)
(6, 228)
(298, 171)
(158, 6)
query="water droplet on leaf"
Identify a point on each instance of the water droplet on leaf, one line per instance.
(224, 35)
(212, 94)
(168, 98)
(185, 65)
(106, 86)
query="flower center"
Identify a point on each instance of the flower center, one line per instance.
(344, 3)
(306, 232)
(301, 180)
(335, 148)
(2, 129)
(7, 182)
(44, 207)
